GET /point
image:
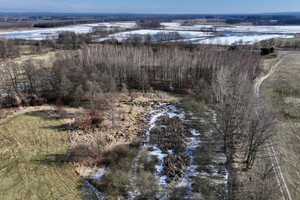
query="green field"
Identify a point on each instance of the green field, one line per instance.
(34, 162)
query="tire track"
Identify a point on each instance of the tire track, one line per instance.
(261, 80)
(270, 147)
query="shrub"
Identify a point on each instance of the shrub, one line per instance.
(267, 51)
(147, 162)
(202, 186)
(123, 156)
(115, 184)
(147, 185)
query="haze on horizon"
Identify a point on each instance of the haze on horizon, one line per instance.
(152, 6)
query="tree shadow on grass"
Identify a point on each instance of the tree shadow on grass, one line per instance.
(59, 128)
(60, 160)
(44, 114)
(53, 159)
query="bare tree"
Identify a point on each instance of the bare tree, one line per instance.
(94, 90)
(259, 130)
(242, 117)
(30, 72)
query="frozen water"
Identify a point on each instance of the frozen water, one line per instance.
(40, 34)
(185, 34)
(231, 28)
(232, 35)
(238, 38)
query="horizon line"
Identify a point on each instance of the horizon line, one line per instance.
(129, 13)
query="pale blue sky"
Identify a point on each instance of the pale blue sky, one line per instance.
(152, 6)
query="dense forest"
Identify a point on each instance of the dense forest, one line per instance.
(106, 67)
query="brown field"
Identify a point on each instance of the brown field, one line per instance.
(283, 91)
(44, 59)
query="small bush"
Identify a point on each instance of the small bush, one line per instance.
(123, 156)
(202, 186)
(115, 184)
(136, 143)
(147, 185)
(147, 162)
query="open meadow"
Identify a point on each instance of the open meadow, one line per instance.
(34, 159)
(283, 92)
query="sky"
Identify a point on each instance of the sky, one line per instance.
(152, 6)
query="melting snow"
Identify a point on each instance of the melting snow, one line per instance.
(232, 35)
(231, 28)
(98, 173)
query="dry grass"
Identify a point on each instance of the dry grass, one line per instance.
(123, 120)
(282, 88)
(33, 159)
(268, 63)
(42, 60)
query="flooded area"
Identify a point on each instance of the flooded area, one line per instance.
(201, 34)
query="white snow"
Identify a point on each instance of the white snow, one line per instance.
(40, 34)
(186, 34)
(191, 34)
(125, 25)
(155, 150)
(240, 39)
(152, 123)
(171, 111)
(203, 37)
(229, 28)
(97, 174)
(158, 153)
(170, 152)
(191, 170)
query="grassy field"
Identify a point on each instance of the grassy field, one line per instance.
(283, 91)
(34, 162)
(268, 63)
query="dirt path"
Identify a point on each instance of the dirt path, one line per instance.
(270, 146)
(261, 80)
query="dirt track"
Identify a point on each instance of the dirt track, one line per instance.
(270, 146)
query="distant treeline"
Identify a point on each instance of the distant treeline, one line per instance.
(233, 21)
(289, 21)
(53, 24)
(90, 18)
